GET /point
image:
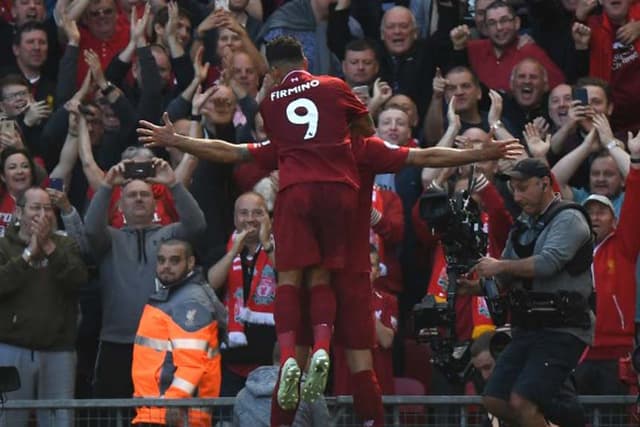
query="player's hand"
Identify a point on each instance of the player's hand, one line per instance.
(460, 36)
(508, 149)
(157, 136)
(538, 147)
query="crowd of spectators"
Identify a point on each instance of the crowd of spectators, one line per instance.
(76, 76)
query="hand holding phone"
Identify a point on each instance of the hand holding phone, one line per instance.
(56, 183)
(580, 94)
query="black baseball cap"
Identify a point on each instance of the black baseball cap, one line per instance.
(529, 168)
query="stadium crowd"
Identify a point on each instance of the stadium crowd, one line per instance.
(138, 191)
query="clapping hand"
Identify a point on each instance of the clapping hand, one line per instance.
(538, 147)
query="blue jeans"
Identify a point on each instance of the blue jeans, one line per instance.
(43, 375)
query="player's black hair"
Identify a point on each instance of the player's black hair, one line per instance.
(284, 49)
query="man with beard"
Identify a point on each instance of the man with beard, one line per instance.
(178, 336)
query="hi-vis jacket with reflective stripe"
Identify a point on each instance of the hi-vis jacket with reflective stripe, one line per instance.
(175, 354)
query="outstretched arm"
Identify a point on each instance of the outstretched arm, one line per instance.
(441, 157)
(213, 150)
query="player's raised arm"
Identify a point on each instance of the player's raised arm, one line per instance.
(213, 150)
(440, 157)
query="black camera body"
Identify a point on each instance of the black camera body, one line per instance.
(457, 221)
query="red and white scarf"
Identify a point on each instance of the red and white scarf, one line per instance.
(260, 303)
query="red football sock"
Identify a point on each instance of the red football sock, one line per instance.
(323, 314)
(367, 397)
(287, 316)
(280, 417)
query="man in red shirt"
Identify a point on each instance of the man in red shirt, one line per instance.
(493, 59)
(353, 287)
(310, 119)
(104, 30)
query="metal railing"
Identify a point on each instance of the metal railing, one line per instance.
(441, 411)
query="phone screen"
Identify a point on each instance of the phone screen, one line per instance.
(222, 4)
(7, 126)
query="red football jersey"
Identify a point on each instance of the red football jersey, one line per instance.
(373, 156)
(308, 118)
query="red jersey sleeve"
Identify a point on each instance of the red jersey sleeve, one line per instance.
(379, 156)
(264, 154)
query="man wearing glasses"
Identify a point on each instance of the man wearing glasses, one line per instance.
(40, 273)
(102, 30)
(494, 58)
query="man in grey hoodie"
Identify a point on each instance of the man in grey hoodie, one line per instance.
(253, 402)
(127, 262)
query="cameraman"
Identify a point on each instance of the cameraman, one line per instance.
(547, 258)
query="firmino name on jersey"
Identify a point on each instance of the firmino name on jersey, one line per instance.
(278, 94)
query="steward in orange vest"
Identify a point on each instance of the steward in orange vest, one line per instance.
(176, 353)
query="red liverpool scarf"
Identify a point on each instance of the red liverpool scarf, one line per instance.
(260, 303)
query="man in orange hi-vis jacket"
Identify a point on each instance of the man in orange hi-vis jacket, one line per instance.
(175, 353)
